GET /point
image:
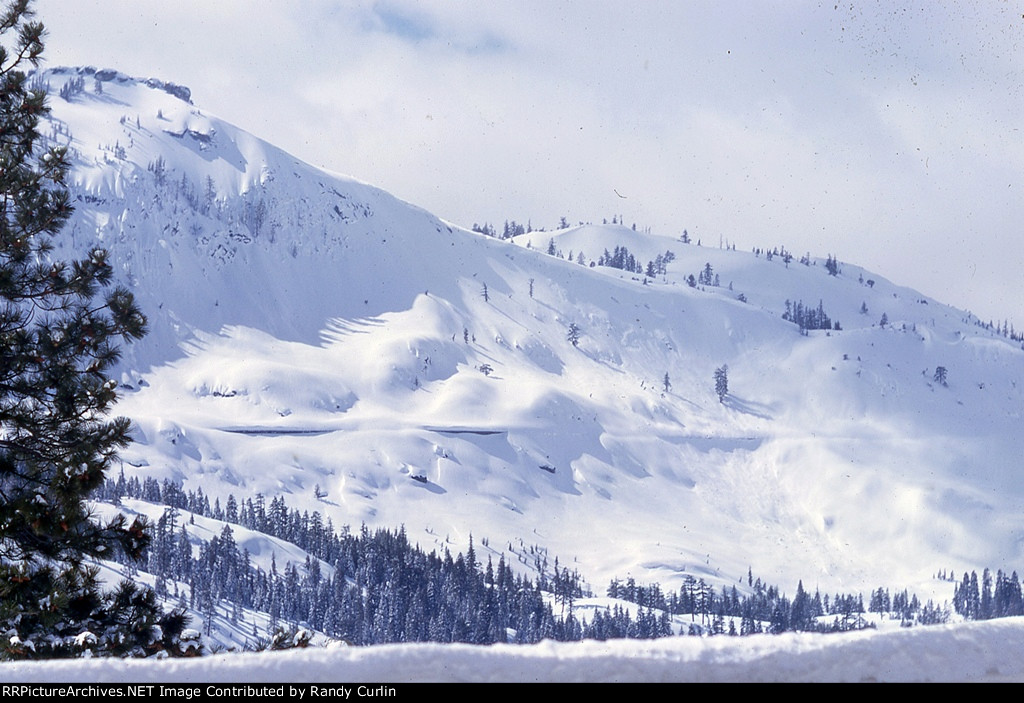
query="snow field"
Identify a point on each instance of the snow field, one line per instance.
(310, 330)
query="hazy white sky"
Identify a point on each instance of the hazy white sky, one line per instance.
(886, 133)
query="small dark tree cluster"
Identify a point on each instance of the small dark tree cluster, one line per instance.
(511, 229)
(573, 334)
(514, 229)
(906, 607)
(659, 267)
(722, 382)
(808, 318)
(770, 254)
(621, 259)
(707, 277)
(72, 87)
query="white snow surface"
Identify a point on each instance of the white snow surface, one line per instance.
(311, 330)
(991, 651)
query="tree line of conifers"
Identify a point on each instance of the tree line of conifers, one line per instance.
(381, 588)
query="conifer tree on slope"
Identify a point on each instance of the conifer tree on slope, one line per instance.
(59, 322)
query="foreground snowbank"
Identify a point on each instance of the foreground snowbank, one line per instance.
(985, 651)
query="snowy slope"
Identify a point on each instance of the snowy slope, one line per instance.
(984, 651)
(310, 330)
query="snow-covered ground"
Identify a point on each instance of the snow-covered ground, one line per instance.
(311, 331)
(989, 651)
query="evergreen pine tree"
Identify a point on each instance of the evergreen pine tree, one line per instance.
(722, 382)
(57, 344)
(573, 335)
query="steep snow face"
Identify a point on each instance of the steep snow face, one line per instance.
(312, 331)
(212, 226)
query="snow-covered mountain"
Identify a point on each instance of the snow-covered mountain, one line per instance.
(316, 338)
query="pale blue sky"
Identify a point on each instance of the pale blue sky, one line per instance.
(885, 133)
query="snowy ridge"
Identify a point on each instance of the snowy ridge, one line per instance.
(964, 653)
(310, 330)
(202, 217)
